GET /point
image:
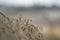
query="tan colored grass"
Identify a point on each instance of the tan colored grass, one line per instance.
(18, 29)
(22, 29)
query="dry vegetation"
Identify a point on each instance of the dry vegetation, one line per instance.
(18, 29)
(22, 29)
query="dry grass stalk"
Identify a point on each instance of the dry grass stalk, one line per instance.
(18, 29)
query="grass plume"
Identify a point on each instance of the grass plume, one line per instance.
(18, 29)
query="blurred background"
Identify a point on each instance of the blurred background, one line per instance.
(40, 11)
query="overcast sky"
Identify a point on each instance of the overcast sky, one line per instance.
(30, 2)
